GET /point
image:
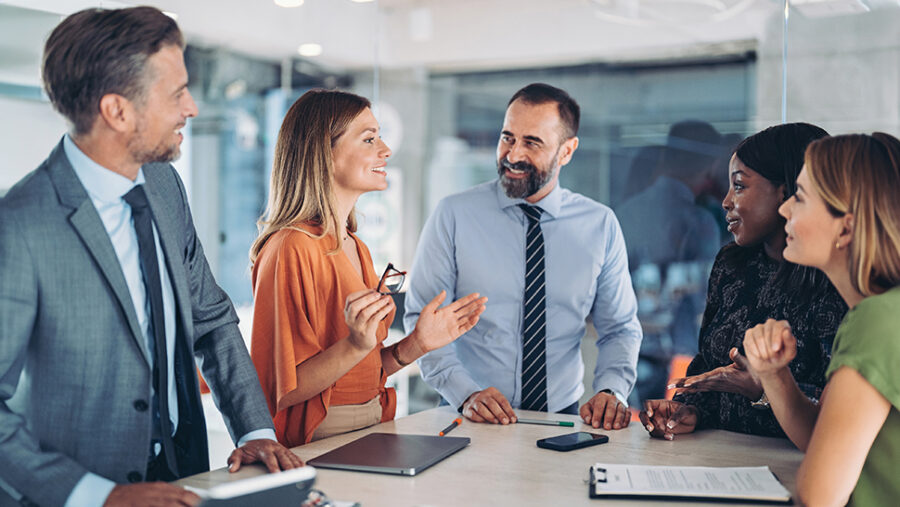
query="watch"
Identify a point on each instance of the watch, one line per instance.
(620, 399)
(762, 403)
(396, 354)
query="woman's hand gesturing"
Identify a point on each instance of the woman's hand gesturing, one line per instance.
(437, 327)
(736, 377)
(770, 346)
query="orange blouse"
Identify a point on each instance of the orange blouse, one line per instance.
(299, 293)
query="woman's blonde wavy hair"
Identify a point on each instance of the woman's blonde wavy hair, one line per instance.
(303, 171)
(860, 174)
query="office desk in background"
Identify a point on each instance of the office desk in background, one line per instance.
(503, 466)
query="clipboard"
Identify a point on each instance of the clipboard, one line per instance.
(745, 484)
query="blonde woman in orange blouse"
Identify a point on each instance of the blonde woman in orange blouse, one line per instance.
(318, 322)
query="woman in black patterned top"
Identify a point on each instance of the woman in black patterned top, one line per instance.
(751, 282)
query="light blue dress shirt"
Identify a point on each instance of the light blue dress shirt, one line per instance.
(106, 188)
(475, 242)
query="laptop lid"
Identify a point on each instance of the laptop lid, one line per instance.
(290, 487)
(389, 453)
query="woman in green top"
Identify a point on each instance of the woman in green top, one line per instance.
(844, 220)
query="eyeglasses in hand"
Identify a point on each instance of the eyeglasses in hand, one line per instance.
(391, 281)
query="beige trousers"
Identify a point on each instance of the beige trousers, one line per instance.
(347, 418)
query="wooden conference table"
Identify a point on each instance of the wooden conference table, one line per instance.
(503, 466)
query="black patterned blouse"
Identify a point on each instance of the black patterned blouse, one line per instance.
(744, 291)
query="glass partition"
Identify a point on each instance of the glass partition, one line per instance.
(667, 88)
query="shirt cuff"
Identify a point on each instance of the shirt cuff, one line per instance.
(458, 394)
(265, 433)
(623, 400)
(91, 490)
(614, 383)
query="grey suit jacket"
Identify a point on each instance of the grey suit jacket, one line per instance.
(73, 364)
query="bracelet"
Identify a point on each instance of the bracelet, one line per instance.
(762, 403)
(396, 353)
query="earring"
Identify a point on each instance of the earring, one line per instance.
(837, 245)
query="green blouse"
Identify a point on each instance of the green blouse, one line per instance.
(868, 341)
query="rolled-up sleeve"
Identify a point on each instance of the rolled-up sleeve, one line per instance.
(614, 315)
(434, 270)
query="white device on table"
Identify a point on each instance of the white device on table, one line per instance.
(290, 487)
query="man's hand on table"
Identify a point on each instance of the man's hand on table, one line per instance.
(273, 455)
(604, 409)
(490, 406)
(150, 494)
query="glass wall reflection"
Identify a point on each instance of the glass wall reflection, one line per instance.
(667, 89)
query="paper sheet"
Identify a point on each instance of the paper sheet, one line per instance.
(748, 483)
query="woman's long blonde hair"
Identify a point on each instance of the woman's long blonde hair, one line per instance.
(860, 174)
(303, 171)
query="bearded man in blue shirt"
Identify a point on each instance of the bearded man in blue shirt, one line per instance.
(547, 258)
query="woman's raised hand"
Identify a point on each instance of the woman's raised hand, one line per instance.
(770, 346)
(437, 327)
(363, 311)
(733, 378)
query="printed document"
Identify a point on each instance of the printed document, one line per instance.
(736, 483)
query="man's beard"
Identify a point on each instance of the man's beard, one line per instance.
(522, 187)
(149, 154)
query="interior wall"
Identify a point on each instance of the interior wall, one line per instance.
(843, 72)
(28, 131)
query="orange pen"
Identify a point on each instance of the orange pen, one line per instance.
(448, 429)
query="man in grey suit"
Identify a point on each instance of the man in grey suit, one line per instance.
(106, 298)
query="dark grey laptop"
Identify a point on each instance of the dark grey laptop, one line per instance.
(388, 453)
(290, 487)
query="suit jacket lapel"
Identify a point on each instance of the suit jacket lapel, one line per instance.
(168, 230)
(170, 227)
(89, 227)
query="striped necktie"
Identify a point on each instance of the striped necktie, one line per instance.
(534, 350)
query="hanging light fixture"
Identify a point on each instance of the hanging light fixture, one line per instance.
(288, 3)
(668, 12)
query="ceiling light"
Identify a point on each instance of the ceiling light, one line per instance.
(361, 1)
(310, 49)
(288, 3)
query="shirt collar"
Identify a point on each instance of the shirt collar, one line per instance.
(101, 184)
(551, 203)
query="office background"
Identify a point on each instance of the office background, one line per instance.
(440, 73)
